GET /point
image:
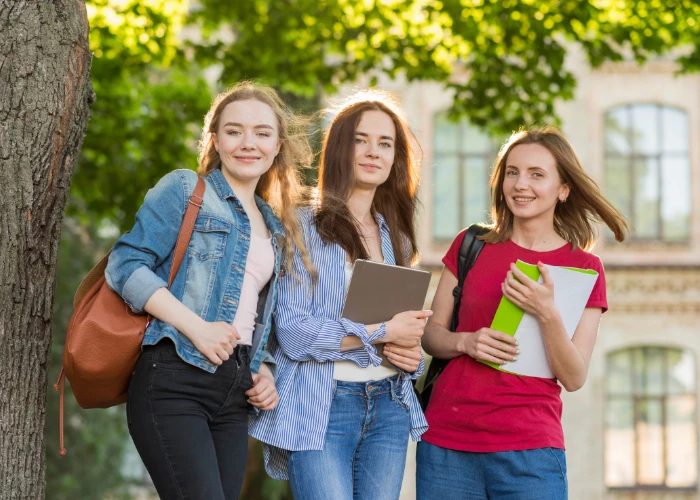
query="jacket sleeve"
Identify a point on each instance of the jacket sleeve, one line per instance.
(137, 253)
(303, 336)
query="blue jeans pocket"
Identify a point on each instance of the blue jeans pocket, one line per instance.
(560, 458)
(397, 392)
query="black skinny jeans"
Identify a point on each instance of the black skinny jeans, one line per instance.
(190, 426)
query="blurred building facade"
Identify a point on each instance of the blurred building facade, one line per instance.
(632, 430)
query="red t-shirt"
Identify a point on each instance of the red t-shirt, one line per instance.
(477, 408)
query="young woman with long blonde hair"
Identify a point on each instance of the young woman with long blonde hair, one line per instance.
(204, 361)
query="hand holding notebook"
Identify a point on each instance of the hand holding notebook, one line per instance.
(378, 291)
(572, 289)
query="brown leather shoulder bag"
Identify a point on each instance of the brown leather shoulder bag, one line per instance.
(104, 335)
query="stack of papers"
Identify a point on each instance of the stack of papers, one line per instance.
(572, 289)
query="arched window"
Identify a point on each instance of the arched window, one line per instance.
(463, 156)
(650, 422)
(647, 169)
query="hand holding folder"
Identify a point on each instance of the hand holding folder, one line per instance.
(572, 289)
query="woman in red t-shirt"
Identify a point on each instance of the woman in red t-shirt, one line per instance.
(492, 434)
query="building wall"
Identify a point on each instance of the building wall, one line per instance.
(647, 307)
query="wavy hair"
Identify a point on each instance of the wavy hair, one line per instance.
(585, 207)
(281, 185)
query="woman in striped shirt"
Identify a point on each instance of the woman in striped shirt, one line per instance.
(340, 430)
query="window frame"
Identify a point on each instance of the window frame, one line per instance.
(462, 156)
(637, 401)
(636, 156)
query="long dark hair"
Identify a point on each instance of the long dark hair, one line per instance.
(395, 199)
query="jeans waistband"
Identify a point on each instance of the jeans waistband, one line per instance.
(370, 387)
(241, 352)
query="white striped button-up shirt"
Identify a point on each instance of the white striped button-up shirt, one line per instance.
(309, 331)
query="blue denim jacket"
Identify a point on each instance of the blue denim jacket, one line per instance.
(211, 276)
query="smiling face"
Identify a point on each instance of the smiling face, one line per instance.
(247, 140)
(375, 138)
(532, 186)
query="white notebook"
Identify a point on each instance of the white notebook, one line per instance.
(572, 289)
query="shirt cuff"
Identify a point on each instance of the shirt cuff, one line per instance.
(140, 286)
(368, 354)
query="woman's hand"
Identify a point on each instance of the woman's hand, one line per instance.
(215, 340)
(406, 359)
(490, 345)
(526, 293)
(406, 329)
(263, 394)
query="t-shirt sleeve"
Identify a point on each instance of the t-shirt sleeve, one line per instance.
(598, 296)
(451, 258)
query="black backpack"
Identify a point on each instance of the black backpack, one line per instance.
(468, 252)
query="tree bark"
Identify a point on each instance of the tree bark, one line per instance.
(45, 97)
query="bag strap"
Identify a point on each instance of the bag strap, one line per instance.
(468, 252)
(182, 242)
(183, 238)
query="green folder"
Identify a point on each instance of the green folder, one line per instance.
(508, 315)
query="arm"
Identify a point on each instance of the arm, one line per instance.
(303, 336)
(484, 344)
(263, 394)
(215, 340)
(136, 254)
(438, 340)
(569, 358)
(150, 242)
(409, 360)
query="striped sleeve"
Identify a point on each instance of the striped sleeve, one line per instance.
(304, 336)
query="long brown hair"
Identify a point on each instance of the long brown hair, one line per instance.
(395, 199)
(281, 185)
(574, 220)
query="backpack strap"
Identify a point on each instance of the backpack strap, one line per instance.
(468, 252)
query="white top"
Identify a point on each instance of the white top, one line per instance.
(349, 371)
(260, 264)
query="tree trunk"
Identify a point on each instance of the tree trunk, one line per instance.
(45, 97)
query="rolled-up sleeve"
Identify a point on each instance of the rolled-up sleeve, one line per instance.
(303, 336)
(419, 371)
(136, 254)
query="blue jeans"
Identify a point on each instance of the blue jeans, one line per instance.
(538, 474)
(364, 454)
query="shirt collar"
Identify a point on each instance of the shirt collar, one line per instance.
(380, 221)
(223, 189)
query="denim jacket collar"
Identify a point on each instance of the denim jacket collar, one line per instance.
(223, 189)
